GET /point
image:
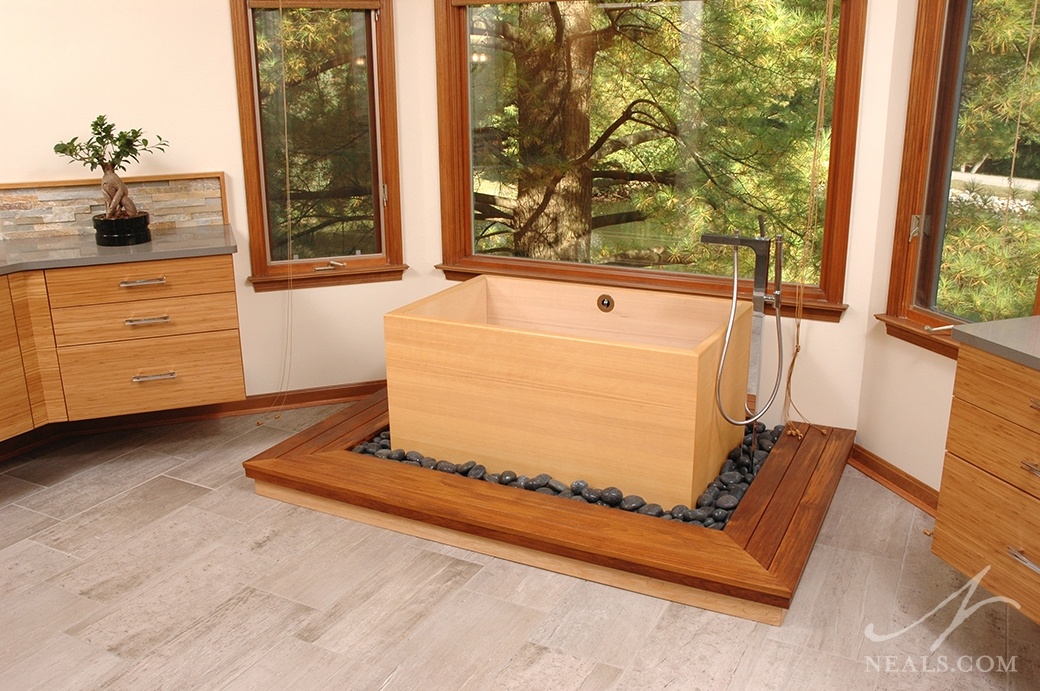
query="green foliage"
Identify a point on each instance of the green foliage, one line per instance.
(991, 237)
(313, 76)
(989, 261)
(699, 118)
(105, 145)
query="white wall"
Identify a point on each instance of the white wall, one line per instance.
(170, 70)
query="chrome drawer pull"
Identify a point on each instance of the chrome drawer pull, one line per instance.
(138, 378)
(157, 281)
(1034, 404)
(144, 321)
(1031, 467)
(1022, 559)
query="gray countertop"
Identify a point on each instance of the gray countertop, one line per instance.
(53, 252)
(1017, 340)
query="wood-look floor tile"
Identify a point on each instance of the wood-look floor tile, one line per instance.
(840, 593)
(230, 639)
(237, 500)
(99, 483)
(12, 489)
(461, 645)
(386, 604)
(130, 564)
(922, 570)
(27, 563)
(917, 626)
(189, 440)
(118, 518)
(1023, 662)
(600, 623)
(332, 566)
(281, 532)
(17, 523)
(689, 648)
(781, 666)
(61, 662)
(522, 584)
(298, 419)
(291, 664)
(31, 616)
(535, 667)
(223, 464)
(866, 517)
(169, 604)
(67, 458)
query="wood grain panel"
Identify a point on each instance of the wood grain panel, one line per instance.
(999, 447)
(93, 285)
(972, 542)
(1005, 388)
(597, 535)
(99, 382)
(15, 411)
(682, 563)
(559, 397)
(39, 353)
(149, 318)
(768, 536)
(674, 592)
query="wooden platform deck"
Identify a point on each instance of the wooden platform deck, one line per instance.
(750, 569)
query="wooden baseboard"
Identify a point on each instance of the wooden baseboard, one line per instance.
(261, 403)
(906, 486)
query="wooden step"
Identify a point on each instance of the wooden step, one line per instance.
(750, 569)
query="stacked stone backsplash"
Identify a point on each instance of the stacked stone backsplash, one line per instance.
(62, 209)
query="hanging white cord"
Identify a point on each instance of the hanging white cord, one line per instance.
(752, 417)
(286, 373)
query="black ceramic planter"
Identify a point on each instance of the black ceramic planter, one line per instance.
(114, 232)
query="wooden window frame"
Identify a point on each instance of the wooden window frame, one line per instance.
(929, 118)
(902, 318)
(823, 302)
(386, 266)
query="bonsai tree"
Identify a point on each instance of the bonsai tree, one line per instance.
(110, 151)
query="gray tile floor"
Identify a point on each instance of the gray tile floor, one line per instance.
(144, 560)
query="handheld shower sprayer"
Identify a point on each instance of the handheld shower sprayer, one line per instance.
(761, 246)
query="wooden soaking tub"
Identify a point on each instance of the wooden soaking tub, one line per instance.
(610, 385)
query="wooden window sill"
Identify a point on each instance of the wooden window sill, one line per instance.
(315, 279)
(914, 332)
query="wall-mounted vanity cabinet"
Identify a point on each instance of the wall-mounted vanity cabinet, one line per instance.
(115, 331)
(988, 520)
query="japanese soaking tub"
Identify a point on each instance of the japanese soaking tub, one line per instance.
(609, 385)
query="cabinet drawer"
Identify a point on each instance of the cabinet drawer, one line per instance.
(979, 521)
(94, 285)
(1000, 386)
(995, 445)
(123, 321)
(151, 374)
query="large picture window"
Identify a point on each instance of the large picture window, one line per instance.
(595, 140)
(968, 236)
(316, 100)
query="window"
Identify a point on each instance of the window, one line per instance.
(318, 119)
(597, 141)
(968, 223)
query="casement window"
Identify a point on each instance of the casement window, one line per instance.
(597, 141)
(967, 237)
(318, 120)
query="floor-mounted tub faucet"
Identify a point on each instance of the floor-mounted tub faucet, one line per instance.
(761, 246)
